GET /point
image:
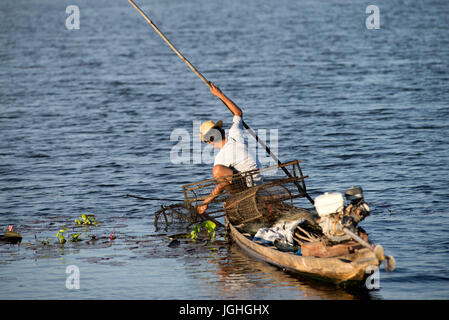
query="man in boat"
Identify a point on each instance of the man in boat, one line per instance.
(234, 156)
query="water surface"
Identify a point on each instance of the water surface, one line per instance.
(86, 116)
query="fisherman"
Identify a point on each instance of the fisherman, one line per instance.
(234, 156)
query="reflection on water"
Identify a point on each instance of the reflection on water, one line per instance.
(241, 276)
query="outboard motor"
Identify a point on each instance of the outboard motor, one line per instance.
(357, 210)
(333, 212)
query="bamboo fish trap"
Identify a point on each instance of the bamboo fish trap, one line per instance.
(250, 195)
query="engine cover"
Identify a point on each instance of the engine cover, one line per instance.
(329, 203)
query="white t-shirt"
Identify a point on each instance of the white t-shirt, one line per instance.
(235, 153)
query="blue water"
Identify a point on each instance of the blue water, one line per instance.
(86, 116)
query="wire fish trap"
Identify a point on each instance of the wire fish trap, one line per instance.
(251, 194)
(177, 213)
(258, 203)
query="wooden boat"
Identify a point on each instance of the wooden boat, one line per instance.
(341, 263)
(346, 270)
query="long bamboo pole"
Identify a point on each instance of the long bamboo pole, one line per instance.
(170, 44)
(251, 131)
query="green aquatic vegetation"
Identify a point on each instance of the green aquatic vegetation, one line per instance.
(194, 233)
(75, 237)
(63, 235)
(45, 242)
(60, 235)
(209, 226)
(86, 220)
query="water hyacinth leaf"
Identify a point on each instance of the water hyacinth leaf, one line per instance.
(75, 237)
(210, 227)
(86, 219)
(195, 231)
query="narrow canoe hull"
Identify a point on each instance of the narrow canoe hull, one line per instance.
(348, 269)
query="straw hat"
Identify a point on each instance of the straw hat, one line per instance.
(206, 126)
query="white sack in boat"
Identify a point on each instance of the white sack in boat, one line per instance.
(282, 231)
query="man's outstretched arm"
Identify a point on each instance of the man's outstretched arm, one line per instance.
(223, 176)
(228, 102)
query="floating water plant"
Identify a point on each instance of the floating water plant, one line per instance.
(86, 220)
(60, 235)
(209, 226)
(45, 242)
(75, 237)
(63, 236)
(194, 233)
